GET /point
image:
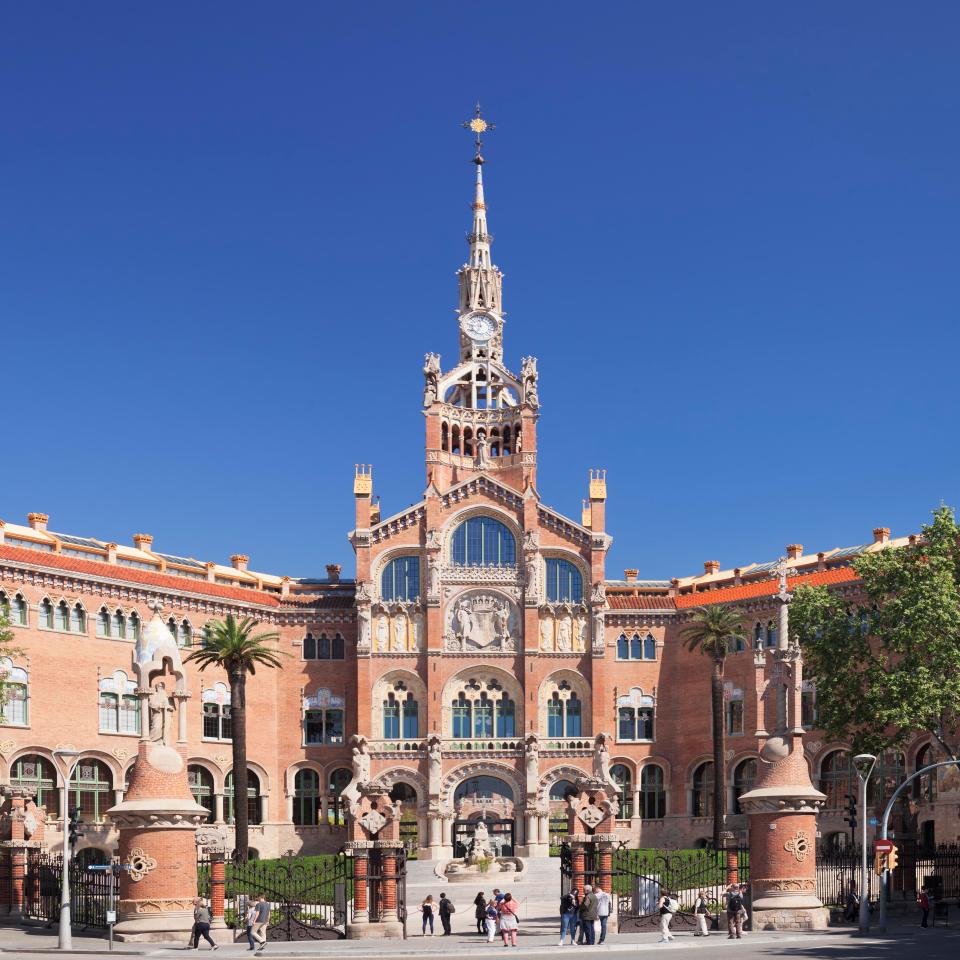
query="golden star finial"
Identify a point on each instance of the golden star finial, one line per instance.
(478, 126)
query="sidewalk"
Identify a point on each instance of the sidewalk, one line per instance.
(536, 940)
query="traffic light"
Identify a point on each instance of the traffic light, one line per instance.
(879, 864)
(851, 817)
(75, 830)
(892, 859)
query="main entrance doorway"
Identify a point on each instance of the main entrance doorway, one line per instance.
(489, 799)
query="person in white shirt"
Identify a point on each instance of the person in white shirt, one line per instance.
(603, 910)
(666, 907)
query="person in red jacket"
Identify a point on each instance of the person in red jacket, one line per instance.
(923, 902)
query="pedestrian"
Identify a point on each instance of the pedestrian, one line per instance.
(568, 917)
(851, 910)
(508, 919)
(427, 908)
(261, 920)
(701, 910)
(667, 907)
(480, 912)
(744, 916)
(490, 918)
(497, 895)
(734, 913)
(201, 924)
(575, 925)
(603, 910)
(446, 907)
(249, 919)
(923, 902)
(588, 916)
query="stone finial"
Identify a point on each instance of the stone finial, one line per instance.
(38, 521)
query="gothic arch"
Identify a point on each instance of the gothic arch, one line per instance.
(384, 685)
(483, 673)
(478, 510)
(481, 768)
(737, 759)
(832, 747)
(578, 684)
(392, 776)
(382, 559)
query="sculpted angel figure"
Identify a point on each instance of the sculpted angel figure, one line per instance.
(563, 635)
(160, 708)
(383, 633)
(528, 374)
(503, 620)
(431, 375)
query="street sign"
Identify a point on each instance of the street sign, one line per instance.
(882, 846)
(111, 916)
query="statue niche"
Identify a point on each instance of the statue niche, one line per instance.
(478, 621)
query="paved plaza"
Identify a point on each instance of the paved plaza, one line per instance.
(537, 940)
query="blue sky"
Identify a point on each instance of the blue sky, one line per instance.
(729, 233)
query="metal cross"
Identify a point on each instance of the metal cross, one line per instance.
(479, 126)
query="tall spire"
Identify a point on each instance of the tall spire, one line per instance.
(480, 280)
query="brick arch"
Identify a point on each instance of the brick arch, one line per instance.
(261, 773)
(381, 687)
(580, 685)
(290, 775)
(832, 747)
(560, 772)
(393, 775)
(479, 510)
(213, 768)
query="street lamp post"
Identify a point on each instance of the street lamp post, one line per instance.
(65, 938)
(864, 763)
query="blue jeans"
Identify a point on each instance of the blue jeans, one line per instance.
(587, 930)
(568, 925)
(428, 918)
(603, 929)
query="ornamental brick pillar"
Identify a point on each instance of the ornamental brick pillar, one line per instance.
(218, 880)
(158, 817)
(374, 841)
(5, 865)
(18, 873)
(783, 803)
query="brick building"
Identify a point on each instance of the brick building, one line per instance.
(473, 663)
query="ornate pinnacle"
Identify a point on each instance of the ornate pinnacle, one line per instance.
(478, 126)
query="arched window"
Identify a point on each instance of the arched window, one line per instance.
(322, 647)
(483, 542)
(254, 812)
(887, 776)
(506, 441)
(103, 623)
(467, 442)
(701, 798)
(78, 619)
(653, 797)
(217, 722)
(401, 715)
(837, 779)
(46, 614)
(620, 774)
(336, 808)
(184, 634)
(744, 777)
(91, 790)
(623, 647)
(119, 705)
(455, 440)
(444, 436)
(481, 713)
(400, 579)
(649, 647)
(61, 616)
(201, 787)
(925, 786)
(636, 647)
(462, 713)
(758, 635)
(133, 627)
(37, 774)
(733, 709)
(118, 625)
(564, 713)
(564, 582)
(14, 712)
(18, 611)
(771, 633)
(306, 798)
(635, 716)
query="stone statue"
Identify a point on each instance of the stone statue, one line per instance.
(434, 763)
(433, 575)
(599, 594)
(601, 757)
(363, 592)
(546, 634)
(160, 708)
(363, 637)
(400, 632)
(531, 583)
(563, 635)
(383, 633)
(361, 760)
(531, 540)
(502, 616)
(480, 848)
(416, 631)
(431, 376)
(579, 634)
(433, 540)
(465, 619)
(531, 756)
(483, 454)
(528, 374)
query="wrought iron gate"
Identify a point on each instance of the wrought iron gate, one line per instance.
(89, 891)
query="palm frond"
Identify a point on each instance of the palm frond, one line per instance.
(712, 628)
(233, 644)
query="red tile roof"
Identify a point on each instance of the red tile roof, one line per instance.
(765, 588)
(619, 601)
(135, 575)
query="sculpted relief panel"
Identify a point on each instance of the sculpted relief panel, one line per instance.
(481, 621)
(563, 629)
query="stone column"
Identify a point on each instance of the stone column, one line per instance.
(181, 699)
(218, 807)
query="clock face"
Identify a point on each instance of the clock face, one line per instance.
(479, 326)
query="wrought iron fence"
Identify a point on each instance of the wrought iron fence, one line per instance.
(89, 891)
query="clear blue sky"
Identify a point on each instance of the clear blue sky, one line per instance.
(729, 233)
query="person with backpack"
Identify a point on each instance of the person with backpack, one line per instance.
(701, 910)
(480, 912)
(667, 907)
(446, 908)
(735, 913)
(568, 917)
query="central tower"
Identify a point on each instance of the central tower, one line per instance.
(480, 417)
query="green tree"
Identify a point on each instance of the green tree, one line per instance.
(233, 646)
(711, 631)
(7, 649)
(888, 667)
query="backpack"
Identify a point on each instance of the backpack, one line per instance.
(735, 903)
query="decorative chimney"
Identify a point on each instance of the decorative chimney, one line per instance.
(881, 534)
(794, 551)
(630, 575)
(239, 561)
(711, 567)
(285, 587)
(112, 552)
(38, 521)
(333, 572)
(143, 541)
(211, 571)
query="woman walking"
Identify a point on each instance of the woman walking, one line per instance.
(508, 920)
(491, 916)
(701, 911)
(201, 924)
(667, 907)
(480, 912)
(427, 908)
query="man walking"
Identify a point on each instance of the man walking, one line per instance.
(445, 909)
(588, 915)
(734, 913)
(260, 921)
(603, 910)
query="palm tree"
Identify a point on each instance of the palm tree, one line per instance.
(712, 629)
(232, 645)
